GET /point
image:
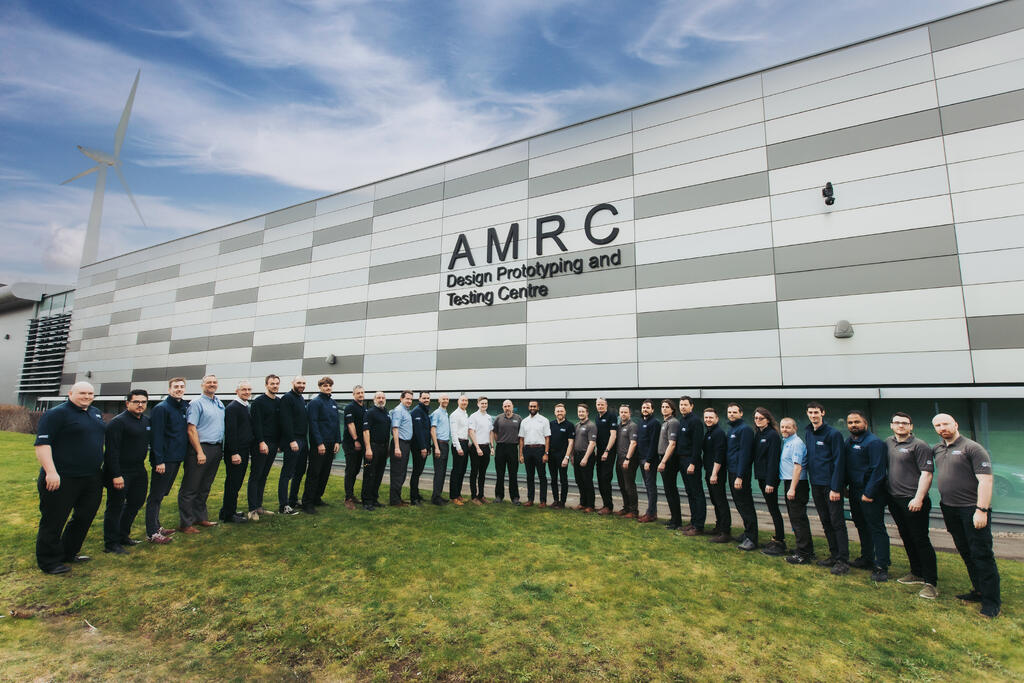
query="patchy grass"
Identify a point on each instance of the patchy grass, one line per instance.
(473, 593)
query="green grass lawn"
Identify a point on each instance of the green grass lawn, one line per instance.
(472, 593)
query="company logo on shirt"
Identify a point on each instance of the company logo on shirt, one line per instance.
(856, 448)
(984, 464)
(958, 452)
(764, 440)
(927, 462)
(904, 450)
(820, 443)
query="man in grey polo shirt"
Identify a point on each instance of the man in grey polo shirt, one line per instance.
(964, 479)
(507, 453)
(206, 438)
(584, 445)
(626, 462)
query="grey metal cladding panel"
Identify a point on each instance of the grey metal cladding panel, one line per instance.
(345, 231)
(94, 300)
(336, 314)
(996, 332)
(738, 189)
(236, 340)
(74, 345)
(105, 276)
(982, 112)
(291, 351)
(153, 336)
(407, 200)
(95, 332)
(861, 138)
(67, 378)
(114, 389)
(942, 271)
(343, 365)
(481, 316)
(595, 282)
(286, 260)
(253, 239)
(291, 214)
(705, 269)
(164, 374)
(737, 318)
(426, 265)
(132, 281)
(977, 24)
(482, 357)
(851, 251)
(189, 345)
(195, 291)
(581, 176)
(161, 274)
(403, 305)
(236, 298)
(129, 316)
(485, 180)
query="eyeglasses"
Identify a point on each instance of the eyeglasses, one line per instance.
(140, 403)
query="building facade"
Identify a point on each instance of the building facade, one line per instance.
(686, 245)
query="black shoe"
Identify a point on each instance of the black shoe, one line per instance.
(774, 549)
(436, 501)
(840, 568)
(130, 541)
(747, 545)
(861, 563)
(116, 549)
(322, 504)
(973, 596)
(415, 501)
(499, 500)
(672, 526)
(827, 562)
(57, 569)
(515, 501)
(800, 559)
(990, 611)
(237, 519)
(879, 575)
(78, 559)
(369, 508)
(310, 509)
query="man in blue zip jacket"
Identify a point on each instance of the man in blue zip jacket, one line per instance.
(169, 428)
(419, 445)
(825, 472)
(324, 432)
(294, 444)
(865, 470)
(740, 456)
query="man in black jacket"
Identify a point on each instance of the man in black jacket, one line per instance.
(324, 432)
(419, 446)
(688, 446)
(239, 445)
(265, 410)
(716, 474)
(647, 449)
(124, 472)
(294, 429)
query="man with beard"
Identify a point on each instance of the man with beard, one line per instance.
(560, 453)
(352, 443)
(647, 439)
(626, 462)
(124, 471)
(419, 446)
(606, 434)
(239, 445)
(294, 429)
(324, 431)
(534, 443)
(265, 410)
(507, 453)
(376, 432)
(865, 472)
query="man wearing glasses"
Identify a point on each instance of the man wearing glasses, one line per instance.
(910, 476)
(124, 472)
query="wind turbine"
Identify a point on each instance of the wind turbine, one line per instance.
(103, 160)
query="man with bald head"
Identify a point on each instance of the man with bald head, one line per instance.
(963, 473)
(294, 432)
(206, 438)
(69, 448)
(239, 446)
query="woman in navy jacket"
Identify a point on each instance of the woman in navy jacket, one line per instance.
(767, 453)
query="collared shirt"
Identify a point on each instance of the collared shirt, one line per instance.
(440, 421)
(561, 434)
(669, 433)
(647, 438)
(907, 460)
(459, 424)
(956, 465)
(533, 429)
(75, 437)
(355, 414)
(794, 452)
(420, 428)
(482, 424)
(506, 429)
(628, 432)
(325, 421)
(207, 414)
(402, 420)
(586, 433)
(128, 439)
(378, 423)
(606, 426)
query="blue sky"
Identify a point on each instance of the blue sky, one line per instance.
(243, 108)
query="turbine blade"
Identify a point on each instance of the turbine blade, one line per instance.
(123, 125)
(124, 184)
(94, 168)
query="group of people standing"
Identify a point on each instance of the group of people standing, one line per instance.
(80, 455)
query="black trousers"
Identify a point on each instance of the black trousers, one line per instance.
(318, 471)
(260, 465)
(627, 483)
(159, 486)
(373, 473)
(605, 475)
(913, 528)
(59, 540)
(506, 460)
(440, 465)
(584, 475)
(720, 501)
(478, 470)
(196, 484)
(459, 463)
(122, 507)
(694, 486)
(671, 489)
(772, 501)
(797, 511)
(292, 472)
(651, 485)
(831, 515)
(975, 548)
(743, 499)
(533, 458)
(418, 462)
(354, 459)
(399, 469)
(559, 478)
(234, 476)
(869, 518)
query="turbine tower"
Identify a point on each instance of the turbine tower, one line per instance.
(103, 160)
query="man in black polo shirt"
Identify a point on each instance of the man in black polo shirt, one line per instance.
(560, 453)
(606, 434)
(964, 477)
(265, 410)
(584, 445)
(239, 445)
(352, 443)
(124, 472)
(647, 438)
(294, 434)
(506, 453)
(716, 466)
(419, 446)
(688, 447)
(376, 431)
(69, 448)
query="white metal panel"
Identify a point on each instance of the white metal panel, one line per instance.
(580, 352)
(340, 346)
(992, 266)
(991, 80)
(228, 361)
(989, 172)
(581, 134)
(408, 233)
(582, 376)
(190, 305)
(394, 289)
(870, 220)
(586, 306)
(342, 216)
(729, 240)
(706, 147)
(482, 379)
(609, 148)
(1005, 47)
(342, 248)
(997, 298)
(485, 161)
(351, 329)
(996, 202)
(717, 345)
(749, 212)
(698, 102)
(394, 362)
(409, 181)
(286, 369)
(698, 172)
(702, 294)
(621, 326)
(500, 214)
(397, 381)
(398, 343)
(716, 373)
(503, 199)
(337, 297)
(340, 264)
(493, 335)
(283, 305)
(218, 326)
(406, 252)
(588, 196)
(736, 116)
(948, 334)
(344, 200)
(298, 272)
(287, 335)
(412, 216)
(235, 282)
(288, 237)
(998, 365)
(985, 142)
(879, 368)
(400, 324)
(922, 304)
(340, 280)
(279, 320)
(283, 289)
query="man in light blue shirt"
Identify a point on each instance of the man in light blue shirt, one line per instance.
(440, 437)
(401, 434)
(793, 473)
(206, 441)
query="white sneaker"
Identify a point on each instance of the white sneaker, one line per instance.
(289, 510)
(253, 516)
(265, 513)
